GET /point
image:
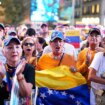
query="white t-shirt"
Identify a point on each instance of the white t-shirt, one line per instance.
(98, 64)
(68, 49)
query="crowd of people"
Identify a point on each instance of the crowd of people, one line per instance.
(23, 51)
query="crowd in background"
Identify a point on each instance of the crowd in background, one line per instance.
(89, 60)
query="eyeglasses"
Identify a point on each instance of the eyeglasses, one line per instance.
(30, 44)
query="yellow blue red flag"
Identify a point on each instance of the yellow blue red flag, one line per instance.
(73, 37)
(61, 86)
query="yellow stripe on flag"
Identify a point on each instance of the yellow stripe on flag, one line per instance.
(73, 33)
(59, 78)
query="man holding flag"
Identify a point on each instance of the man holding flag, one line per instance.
(56, 77)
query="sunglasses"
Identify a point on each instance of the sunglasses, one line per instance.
(30, 44)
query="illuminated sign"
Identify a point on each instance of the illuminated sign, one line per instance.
(44, 10)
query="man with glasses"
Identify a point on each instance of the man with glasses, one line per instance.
(97, 77)
(86, 56)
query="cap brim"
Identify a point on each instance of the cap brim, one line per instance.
(12, 34)
(56, 38)
(12, 39)
(95, 30)
(1, 27)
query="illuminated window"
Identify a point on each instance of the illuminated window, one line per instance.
(97, 8)
(93, 8)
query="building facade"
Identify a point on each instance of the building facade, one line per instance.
(90, 12)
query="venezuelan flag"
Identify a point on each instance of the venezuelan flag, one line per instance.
(74, 40)
(61, 86)
(73, 37)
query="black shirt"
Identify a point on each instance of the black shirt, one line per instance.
(29, 74)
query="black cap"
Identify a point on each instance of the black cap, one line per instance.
(94, 30)
(1, 26)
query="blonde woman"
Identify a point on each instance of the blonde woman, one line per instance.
(29, 50)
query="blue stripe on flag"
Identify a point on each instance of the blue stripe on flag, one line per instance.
(74, 39)
(75, 96)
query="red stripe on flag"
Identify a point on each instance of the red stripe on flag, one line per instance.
(76, 45)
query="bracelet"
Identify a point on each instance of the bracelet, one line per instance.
(20, 79)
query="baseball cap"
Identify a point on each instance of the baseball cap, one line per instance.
(12, 33)
(57, 34)
(1, 26)
(94, 30)
(8, 40)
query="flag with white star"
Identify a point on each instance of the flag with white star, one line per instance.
(73, 96)
(60, 86)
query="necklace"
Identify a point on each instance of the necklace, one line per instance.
(9, 68)
(57, 57)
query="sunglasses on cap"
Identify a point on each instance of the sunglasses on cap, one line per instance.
(30, 44)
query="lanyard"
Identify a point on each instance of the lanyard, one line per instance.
(10, 72)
